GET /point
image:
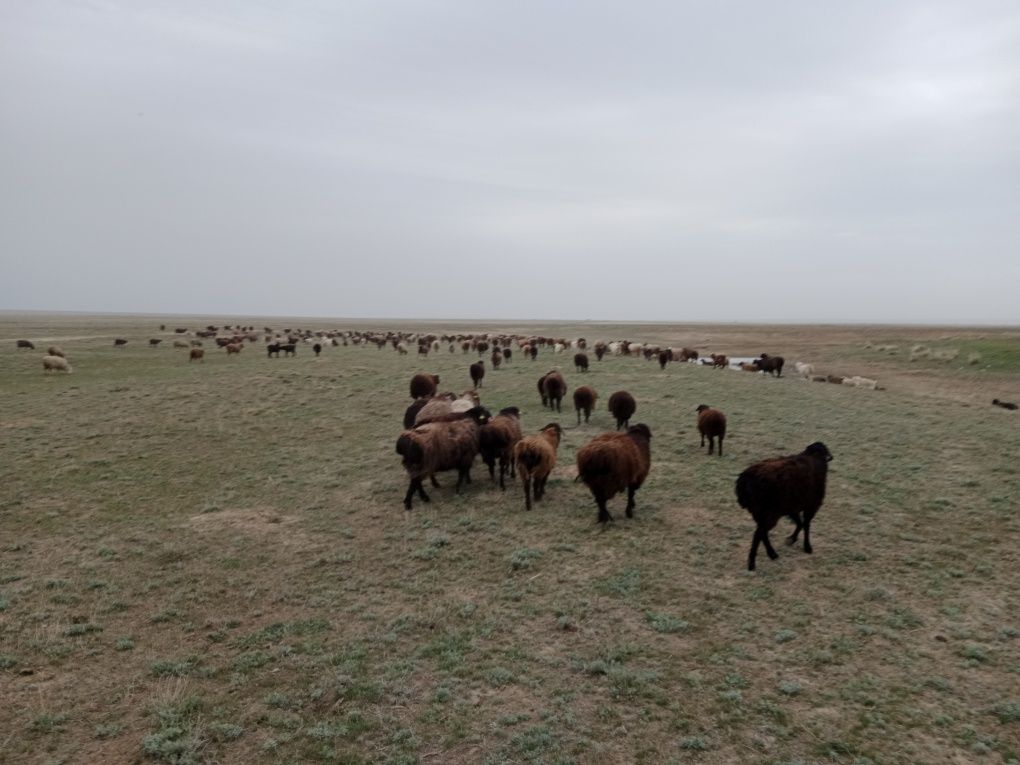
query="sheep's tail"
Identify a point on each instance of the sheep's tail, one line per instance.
(744, 481)
(409, 449)
(529, 458)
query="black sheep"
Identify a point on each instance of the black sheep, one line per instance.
(581, 362)
(622, 405)
(793, 486)
(553, 388)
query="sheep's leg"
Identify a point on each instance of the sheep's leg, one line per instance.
(604, 515)
(711, 444)
(578, 416)
(412, 487)
(793, 537)
(492, 469)
(435, 483)
(502, 473)
(527, 493)
(768, 545)
(754, 549)
(720, 445)
(702, 439)
(421, 492)
(630, 501)
(807, 535)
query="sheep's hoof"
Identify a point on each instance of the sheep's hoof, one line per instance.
(772, 554)
(630, 512)
(791, 539)
(807, 549)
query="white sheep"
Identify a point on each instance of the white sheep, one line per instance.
(805, 370)
(55, 363)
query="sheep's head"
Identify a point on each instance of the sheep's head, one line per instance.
(818, 449)
(479, 414)
(702, 407)
(640, 429)
(512, 411)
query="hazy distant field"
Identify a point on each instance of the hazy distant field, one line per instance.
(211, 562)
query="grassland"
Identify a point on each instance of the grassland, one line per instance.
(211, 563)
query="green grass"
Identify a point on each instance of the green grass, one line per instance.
(211, 563)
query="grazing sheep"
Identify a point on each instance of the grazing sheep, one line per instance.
(584, 401)
(273, 350)
(553, 388)
(860, 382)
(55, 351)
(120, 341)
(535, 457)
(581, 362)
(1004, 404)
(687, 354)
(835, 379)
(793, 486)
(711, 423)
(719, 360)
(819, 378)
(622, 406)
(497, 358)
(154, 341)
(317, 349)
(196, 353)
(55, 364)
(448, 444)
(771, 364)
(196, 343)
(26, 344)
(424, 385)
(233, 348)
(612, 462)
(181, 344)
(804, 370)
(749, 366)
(496, 442)
(446, 403)
(477, 371)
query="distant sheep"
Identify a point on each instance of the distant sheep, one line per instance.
(55, 364)
(496, 358)
(553, 388)
(584, 401)
(196, 354)
(793, 486)
(289, 349)
(233, 348)
(55, 351)
(749, 366)
(181, 344)
(424, 385)
(804, 370)
(449, 444)
(772, 365)
(581, 362)
(686, 354)
(535, 457)
(120, 341)
(26, 344)
(711, 425)
(622, 406)
(497, 440)
(1004, 404)
(719, 360)
(612, 462)
(317, 349)
(600, 350)
(664, 358)
(477, 372)
(154, 341)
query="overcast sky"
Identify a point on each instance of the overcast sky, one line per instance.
(674, 161)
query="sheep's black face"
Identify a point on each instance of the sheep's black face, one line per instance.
(641, 428)
(701, 408)
(818, 449)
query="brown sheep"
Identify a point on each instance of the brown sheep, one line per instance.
(233, 348)
(55, 351)
(477, 371)
(497, 358)
(793, 486)
(196, 353)
(749, 366)
(447, 444)
(584, 401)
(553, 388)
(612, 462)
(719, 360)
(711, 423)
(600, 350)
(622, 405)
(424, 386)
(664, 358)
(497, 440)
(535, 457)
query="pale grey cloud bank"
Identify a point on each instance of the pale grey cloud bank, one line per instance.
(709, 161)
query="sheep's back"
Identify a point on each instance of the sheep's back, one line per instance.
(782, 486)
(534, 456)
(612, 461)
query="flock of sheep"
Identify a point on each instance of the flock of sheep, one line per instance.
(445, 432)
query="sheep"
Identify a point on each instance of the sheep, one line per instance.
(664, 358)
(793, 486)
(196, 353)
(749, 366)
(711, 423)
(804, 369)
(581, 362)
(719, 360)
(181, 344)
(622, 406)
(25, 344)
(233, 348)
(154, 341)
(273, 350)
(533, 352)
(497, 358)
(289, 349)
(771, 364)
(553, 388)
(196, 343)
(496, 441)
(119, 342)
(612, 462)
(55, 351)
(600, 350)
(444, 404)
(448, 444)
(508, 355)
(687, 354)
(860, 382)
(584, 401)
(420, 403)
(55, 364)
(819, 378)
(317, 349)
(835, 379)
(535, 457)
(477, 371)
(424, 385)
(1004, 404)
